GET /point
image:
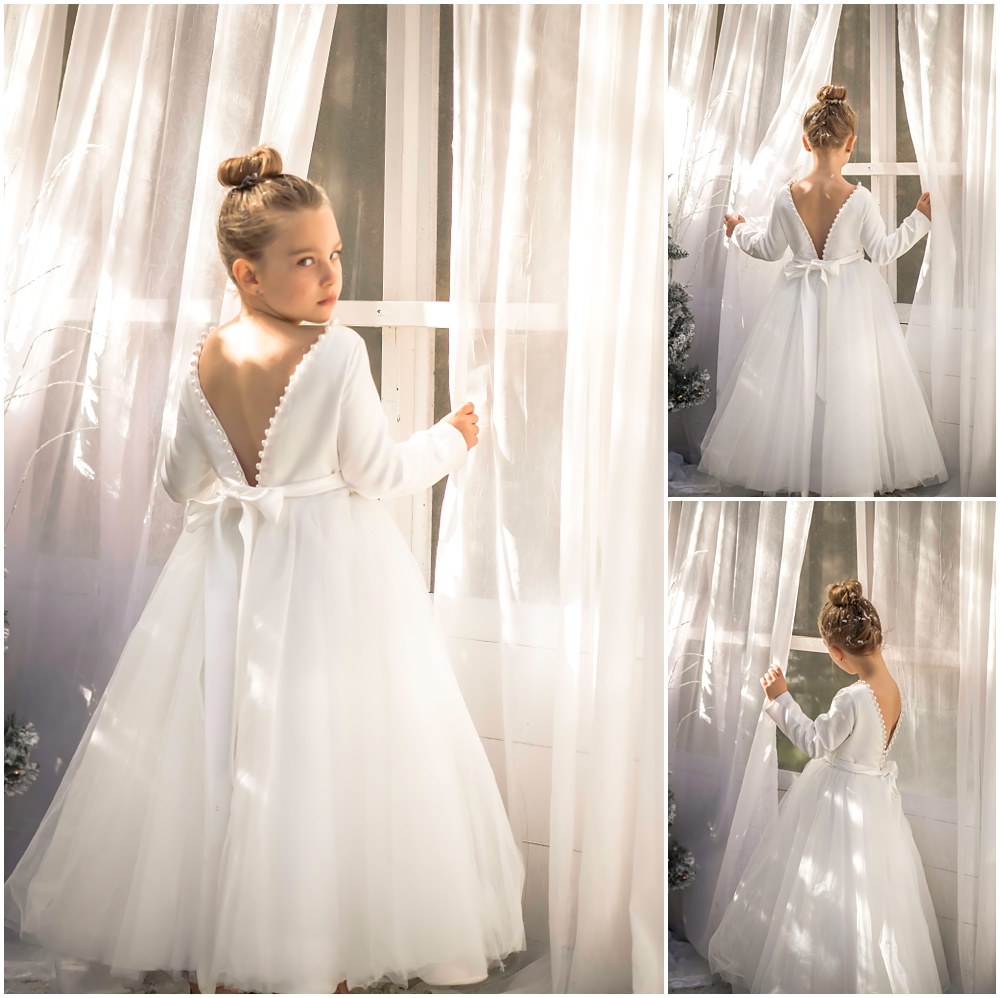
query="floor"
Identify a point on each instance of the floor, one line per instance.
(686, 480)
(29, 970)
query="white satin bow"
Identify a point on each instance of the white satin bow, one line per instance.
(225, 606)
(815, 338)
(887, 773)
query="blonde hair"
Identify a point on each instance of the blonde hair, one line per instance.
(250, 217)
(849, 621)
(830, 122)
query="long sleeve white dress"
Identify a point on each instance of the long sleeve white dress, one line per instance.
(834, 899)
(281, 787)
(825, 396)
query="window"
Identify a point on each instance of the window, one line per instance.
(391, 192)
(837, 549)
(866, 61)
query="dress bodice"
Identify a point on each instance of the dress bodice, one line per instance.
(857, 226)
(329, 419)
(853, 730)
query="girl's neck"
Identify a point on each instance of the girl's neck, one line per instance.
(870, 667)
(827, 167)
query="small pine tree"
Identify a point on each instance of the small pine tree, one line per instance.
(687, 385)
(680, 861)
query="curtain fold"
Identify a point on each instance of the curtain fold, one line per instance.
(34, 38)
(735, 569)
(977, 751)
(117, 274)
(948, 61)
(934, 586)
(545, 585)
(771, 60)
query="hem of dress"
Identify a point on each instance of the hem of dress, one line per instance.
(136, 975)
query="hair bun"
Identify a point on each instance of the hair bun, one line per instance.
(844, 593)
(830, 92)
(265, 161)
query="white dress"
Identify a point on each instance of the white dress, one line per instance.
(282, 787)
(825, 396)
(834, 899)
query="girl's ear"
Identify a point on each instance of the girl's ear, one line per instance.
(805, 144)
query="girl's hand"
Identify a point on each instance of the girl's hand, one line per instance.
(924, 203)
(774, 682)
(732, 222)
(465, 419)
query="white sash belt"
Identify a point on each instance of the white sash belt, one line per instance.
(815, 338)
(225, 595)
(887, 775)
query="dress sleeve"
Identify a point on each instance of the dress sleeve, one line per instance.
(763, 238)
(371, 462)
(818, 737)
(882, 248)
(185, 470)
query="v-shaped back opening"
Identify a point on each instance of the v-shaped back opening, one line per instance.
(253, 479)
(886, 735)
(821, 252)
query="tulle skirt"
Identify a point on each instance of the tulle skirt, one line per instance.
(834, 899)
(366, 837)
(870, 428)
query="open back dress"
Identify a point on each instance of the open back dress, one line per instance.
(281, 787)
(825, 396)
(834, 899)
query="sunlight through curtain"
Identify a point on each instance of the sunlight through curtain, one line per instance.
(947, 57)
(771, 60)
(548, 553)
(734, 580)
(116, 274)
(935, 589)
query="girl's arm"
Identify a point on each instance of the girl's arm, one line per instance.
(185, 470)
(371, 462)
(765, 242)
(818, 737)
(882, 248)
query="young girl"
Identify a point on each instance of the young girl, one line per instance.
(834, 898)
(825, 396)
(282, 789)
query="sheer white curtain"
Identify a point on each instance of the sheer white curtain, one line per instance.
(116, 274)
(34, 37)
(735, 570)
(771, 60)
(948, 60)
(934, 583)
(546, 565)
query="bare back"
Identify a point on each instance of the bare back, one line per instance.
(889, 701)
(244, 370)
(818, 202)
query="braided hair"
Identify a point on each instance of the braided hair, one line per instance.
(849, 621)
(830, 122)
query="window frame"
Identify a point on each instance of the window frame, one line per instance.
(884, 168)
(933, 808)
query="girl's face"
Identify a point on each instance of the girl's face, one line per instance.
(300, 275)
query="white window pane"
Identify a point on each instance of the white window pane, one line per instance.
(831, 556)
(852, 69)
(813, 680)
(908, 265)
(348, 156)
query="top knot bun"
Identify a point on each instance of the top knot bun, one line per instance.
(830, 92)
(844, 593)
(262, 160)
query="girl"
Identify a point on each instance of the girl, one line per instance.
(281, 789)
(834, 898)
(825, 396)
